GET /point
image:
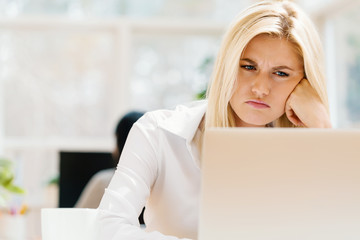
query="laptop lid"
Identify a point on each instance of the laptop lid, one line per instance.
(280, 184)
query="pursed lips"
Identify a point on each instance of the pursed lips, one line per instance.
(257, 104)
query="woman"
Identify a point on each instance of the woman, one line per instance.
(268, 73)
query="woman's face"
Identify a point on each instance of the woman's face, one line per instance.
(269, 70)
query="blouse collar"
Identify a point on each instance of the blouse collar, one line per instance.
(185, 119)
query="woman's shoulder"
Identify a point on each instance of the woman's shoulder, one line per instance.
(183, 120)
(160, 116)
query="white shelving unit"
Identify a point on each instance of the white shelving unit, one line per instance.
(123, 30)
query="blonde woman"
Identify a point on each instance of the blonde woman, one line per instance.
(268, 73)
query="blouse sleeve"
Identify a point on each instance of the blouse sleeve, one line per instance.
(130, 187)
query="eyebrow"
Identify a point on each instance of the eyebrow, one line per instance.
(275, 68)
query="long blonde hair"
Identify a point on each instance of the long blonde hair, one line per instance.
(282, 19)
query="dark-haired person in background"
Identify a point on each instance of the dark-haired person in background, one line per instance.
(94, 189)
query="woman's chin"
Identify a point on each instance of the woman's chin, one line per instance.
(254, 122)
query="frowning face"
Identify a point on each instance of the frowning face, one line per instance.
(270, 68)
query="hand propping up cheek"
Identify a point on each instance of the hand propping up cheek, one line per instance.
(304, 107)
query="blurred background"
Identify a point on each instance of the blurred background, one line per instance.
(69, 69)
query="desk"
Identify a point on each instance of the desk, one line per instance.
(79, 223)
(70, 223)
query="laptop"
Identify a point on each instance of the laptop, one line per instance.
(280, 184)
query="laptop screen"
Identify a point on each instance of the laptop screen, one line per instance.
(280, 184)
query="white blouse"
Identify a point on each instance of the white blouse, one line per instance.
(159, 168)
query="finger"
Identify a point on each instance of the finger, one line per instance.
(304, 81)
(291, 115)
(293, 118)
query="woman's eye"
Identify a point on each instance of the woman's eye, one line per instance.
(248, 67)
(281, 74)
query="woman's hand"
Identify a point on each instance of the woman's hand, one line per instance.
(304, 107)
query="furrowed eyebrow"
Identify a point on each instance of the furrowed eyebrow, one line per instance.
(283, 67)
(248, 60)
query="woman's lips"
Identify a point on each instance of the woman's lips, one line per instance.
(257, 104)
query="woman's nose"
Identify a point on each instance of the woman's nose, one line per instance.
(261, 86)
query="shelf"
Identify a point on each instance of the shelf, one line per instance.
(70, 143)
(150, 25)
